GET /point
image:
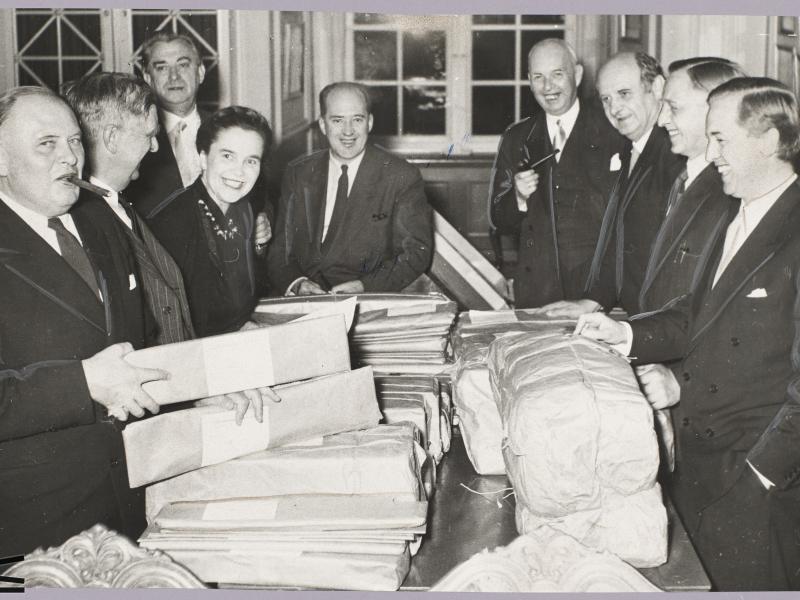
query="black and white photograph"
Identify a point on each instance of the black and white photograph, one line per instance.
(376, 301)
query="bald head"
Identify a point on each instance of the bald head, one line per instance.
(554, 75)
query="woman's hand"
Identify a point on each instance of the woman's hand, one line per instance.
(263, 232)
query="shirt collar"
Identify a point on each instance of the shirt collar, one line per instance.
(31, 217)
(112, 193)
(642, 141)
(567, 119)
(335, 165)
(171, 119)
(759, 206)
(695, 166)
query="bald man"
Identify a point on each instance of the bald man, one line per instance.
(556, 207)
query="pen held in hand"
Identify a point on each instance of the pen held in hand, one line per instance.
(541, 160)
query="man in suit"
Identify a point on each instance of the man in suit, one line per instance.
(697, 208)
(556, 207)
(69, 313)
(353, 218)
(738, 461)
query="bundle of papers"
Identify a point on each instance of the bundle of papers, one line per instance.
(479, 419)
(395, 333)
(332, 541)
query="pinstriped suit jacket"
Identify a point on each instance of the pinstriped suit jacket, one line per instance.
(162, 283)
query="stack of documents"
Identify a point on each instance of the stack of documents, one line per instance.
(394, 333)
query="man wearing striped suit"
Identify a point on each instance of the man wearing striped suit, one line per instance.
(118, 116)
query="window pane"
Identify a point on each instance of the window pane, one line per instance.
(492, 109)
(543, 19)
(384, 110)
(204, 25)
(529, 38)
(75, 69)
(375, 54)
(46, 70)
(72, 44)
(373, 18)
(27, 26)
(145, 26)
(492, 55)
(423, 110)
(493, 19)
(424, 55)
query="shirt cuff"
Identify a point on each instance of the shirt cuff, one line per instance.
(624, 348)
(522, 203)
(292, 289)
(764, 481)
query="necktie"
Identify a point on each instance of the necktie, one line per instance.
(126, 206)
(339, 206)
(634, 158)
(74, 254)
(559, 140)
(731, 245)
(185, 153)
(676, 192)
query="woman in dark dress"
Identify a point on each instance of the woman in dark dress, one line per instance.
(209, 227)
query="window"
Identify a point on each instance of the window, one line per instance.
(446, 83)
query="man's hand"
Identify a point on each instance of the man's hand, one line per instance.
(570, 309)
(349, 287)
(263, 233)
(659, 385)
(117, 384)
(241, 401)
(309, 288)
(525, 183)
(598, 326)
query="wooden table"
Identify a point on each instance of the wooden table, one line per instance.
(464, 523)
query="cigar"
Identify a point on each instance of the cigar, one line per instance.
(88, 186)
(540, 161)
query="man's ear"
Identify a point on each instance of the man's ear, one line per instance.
(369, 123)
(3, 161)
(769, 143)
(111, 138)
(578, 75)
(201, 73)
(321, 122)
(147, 78)
(658, 87)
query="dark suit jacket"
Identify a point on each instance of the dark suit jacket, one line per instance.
(685, 241)
(558, 233)
(634, 214)
(739, 351)
(180, 226)
(159, 276)
(62, 465)
(385, 238)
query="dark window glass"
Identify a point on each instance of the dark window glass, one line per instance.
(73, 44)
(424, 55)
(492, 53)
(45, 44)
(375, 55)
(423, 110)
(374, 19)
(493, 19)
(46, 70)
(492, 109)
(542, 19)
(384, 110)
(529, 38)
(75, 69)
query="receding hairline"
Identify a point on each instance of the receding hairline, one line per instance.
(28, 94)
(553, 43)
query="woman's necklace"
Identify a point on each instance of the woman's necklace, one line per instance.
(227, 232)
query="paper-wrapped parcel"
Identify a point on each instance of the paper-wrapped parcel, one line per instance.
(580, 448)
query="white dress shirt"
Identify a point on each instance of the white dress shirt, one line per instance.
(112, 199)
(694, 166)
(189, 135)
(38, 223)
(334, 172)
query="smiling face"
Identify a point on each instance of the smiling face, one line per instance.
(346, 124)
(175, 73)
(630, 106)
(683, 115)
(40, 147)
(554, 78)
(232, 165)
(736, 153)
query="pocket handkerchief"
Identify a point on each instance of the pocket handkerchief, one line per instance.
(758, 293)
(131, 281)
(615, 164)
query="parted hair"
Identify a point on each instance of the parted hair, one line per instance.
(100, 98)
(9, 99)
(764, 104)
(707, 72)
(165, 37)
(233, 116)
(352, 86)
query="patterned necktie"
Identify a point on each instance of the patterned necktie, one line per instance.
(559, 140)
(74, 254)
(185, 153)
(339, 206)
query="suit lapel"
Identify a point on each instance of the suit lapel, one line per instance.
(778, 225)
(315, 190)
(28, 257)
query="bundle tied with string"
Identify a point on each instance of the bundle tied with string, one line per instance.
(579, 444)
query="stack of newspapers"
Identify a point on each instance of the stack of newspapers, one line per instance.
(317, 495)
(393, 333)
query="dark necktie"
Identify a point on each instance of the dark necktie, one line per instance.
(339, 206)
(126, 206)
(74, 254)
(676, 192)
